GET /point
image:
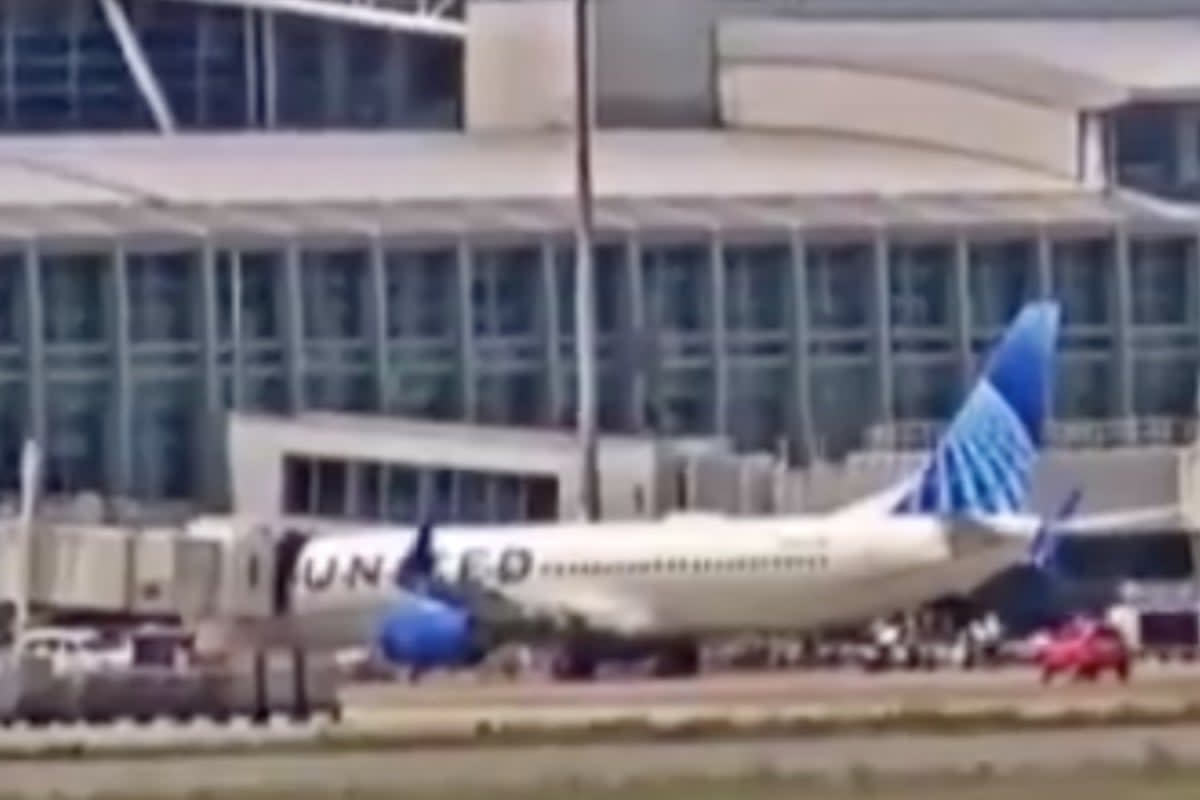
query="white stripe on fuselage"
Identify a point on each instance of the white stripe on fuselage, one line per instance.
(693, 574)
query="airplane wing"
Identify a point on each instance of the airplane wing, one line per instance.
(1117, 522)
(520, 613)
(523, 614)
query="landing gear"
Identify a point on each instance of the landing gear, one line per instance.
(574, 662)
(679, 659)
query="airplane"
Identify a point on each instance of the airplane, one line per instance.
(616, 590)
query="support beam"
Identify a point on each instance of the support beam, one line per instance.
(139, 65)
(639, 348)
(121, 460)
(1123, 329)
(294, 338)
(802, 449)
(377, 303)
(720, 338)
(35, 347)
(882, 331)
(467, 356)
(962, 320)
(585, 304)
(347, 13)
(212, 435)
(549, 328)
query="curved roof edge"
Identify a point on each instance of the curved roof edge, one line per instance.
(992, 71)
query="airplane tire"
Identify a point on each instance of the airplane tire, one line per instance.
(573, 664)
(680, 660)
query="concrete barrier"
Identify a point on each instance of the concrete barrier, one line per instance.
(145, 694)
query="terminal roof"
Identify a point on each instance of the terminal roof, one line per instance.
(417, 185)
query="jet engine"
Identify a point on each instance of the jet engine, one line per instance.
(425, 633)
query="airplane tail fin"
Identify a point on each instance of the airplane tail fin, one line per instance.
(419, 563)
(983, 463)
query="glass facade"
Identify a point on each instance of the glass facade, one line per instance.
(1158, 148)
(220, 67)
(381, 492)
(125, 355)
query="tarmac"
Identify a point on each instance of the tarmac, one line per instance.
(511, 767)
(461, 703)
(453, 702)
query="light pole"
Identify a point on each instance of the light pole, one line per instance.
(585, 348)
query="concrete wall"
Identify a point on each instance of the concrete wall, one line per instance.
(518, 70)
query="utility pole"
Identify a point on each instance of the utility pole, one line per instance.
(585, 327)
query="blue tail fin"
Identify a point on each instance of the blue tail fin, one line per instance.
(418, 570)
(419, 562)
(984, 461)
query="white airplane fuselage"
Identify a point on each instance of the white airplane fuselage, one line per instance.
(691, 575)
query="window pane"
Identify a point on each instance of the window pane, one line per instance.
(1163, 281)
(840, 280)
(921, 278)
(162, 296)
(1003, 276)
(334, 287)
(74, 298)
(758, 287)
(678, 287)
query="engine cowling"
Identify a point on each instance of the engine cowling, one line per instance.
(428, 634)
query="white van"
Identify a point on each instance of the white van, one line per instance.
(72, 650)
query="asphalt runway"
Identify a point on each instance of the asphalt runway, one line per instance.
(462, 701)
(495, 767)
(823, 686)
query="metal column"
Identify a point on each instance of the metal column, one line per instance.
(882, 331)
(294, 329)
(238, 356)
(720, 338)
(270, 71)
(377, 311)
(1045, 281)
(801, 416)
(211, 434)
(251, 50)
(585, 306)
(139, 65)
(550, 325)
(467, 359)
(1045, 264)
(637, 338)
(35, 347)
(962, 311)
(120, 476)
(1123, 329)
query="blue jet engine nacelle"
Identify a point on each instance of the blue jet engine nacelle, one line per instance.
(429, 627)
(425, 633)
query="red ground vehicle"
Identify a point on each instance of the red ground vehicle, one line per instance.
(1084, 649)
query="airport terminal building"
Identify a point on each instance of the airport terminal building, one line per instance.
(812, 219)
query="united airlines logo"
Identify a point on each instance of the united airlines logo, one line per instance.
(983, 465)
(354, 572)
